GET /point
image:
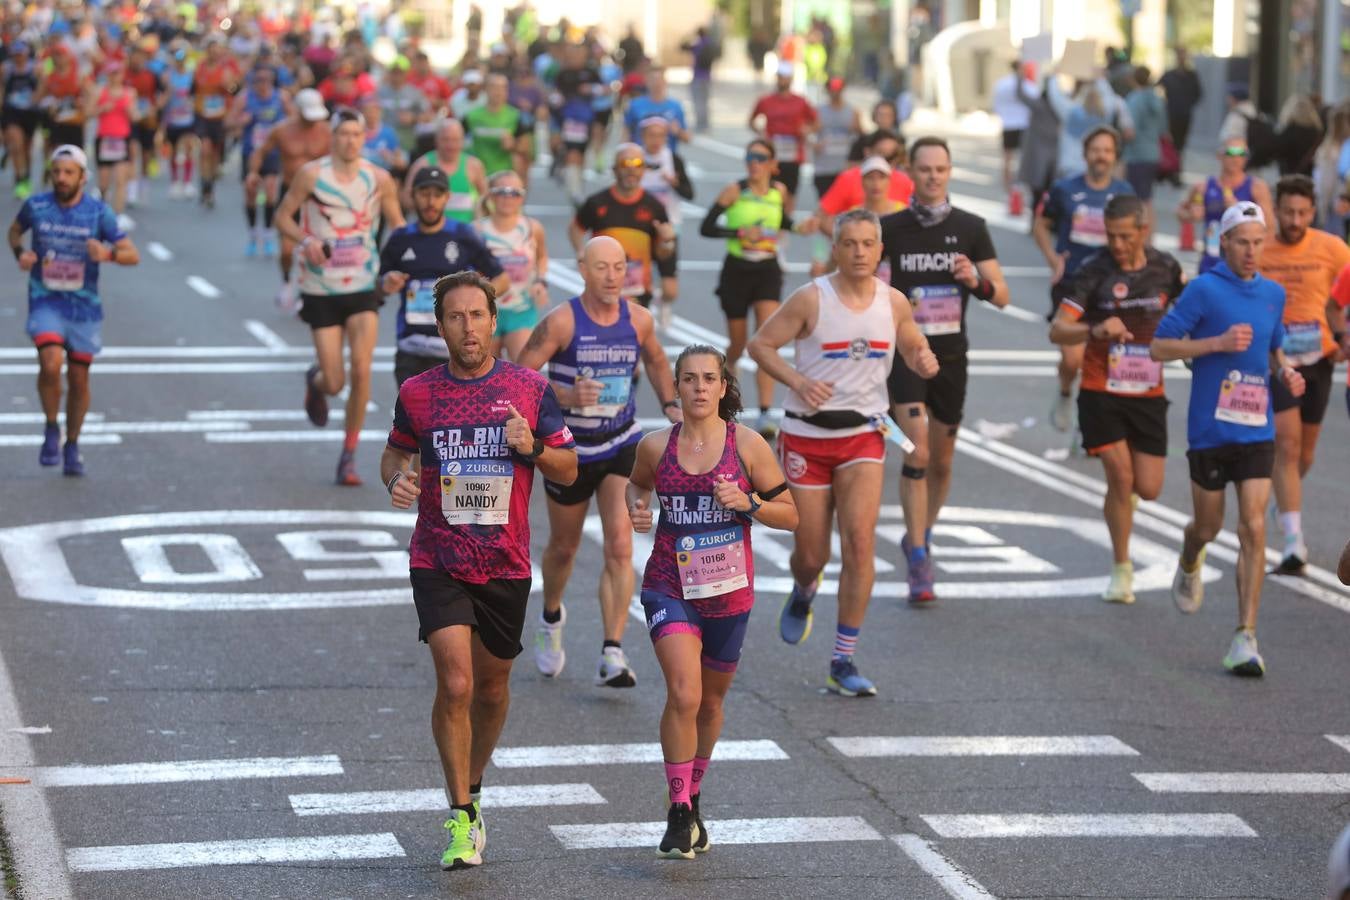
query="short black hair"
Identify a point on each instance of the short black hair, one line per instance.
(467, 278)
(1295, 186)
(1098, 132)
(764, 144)
(929, 140)
(883, 134)
(1125, 206)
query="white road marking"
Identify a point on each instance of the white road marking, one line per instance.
(35, 440)
(203, 287)
(40, 419)
(430, 799)
(312, 436)
(723, 831)
(32, 833)
(234, 853)
(1245, 782)
(983, 745)
(189, 770)
(159, 251)
(946, 873)
(1098, 825)
(1024, 315)
(207, 352)
(262, 415)
(1317, 583)
(267, 337)
(621, 754)
(1340, 740)
(212, 368)
(721, 148)
(160, 427)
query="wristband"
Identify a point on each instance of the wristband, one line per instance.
(389, 485)
(984, 289)
(755, 504)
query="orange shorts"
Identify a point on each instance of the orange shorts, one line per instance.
(811, 462)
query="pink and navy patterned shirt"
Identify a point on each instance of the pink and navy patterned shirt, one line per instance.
(702, 549)
(473, 515)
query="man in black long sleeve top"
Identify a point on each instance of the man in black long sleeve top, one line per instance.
(1182, 87)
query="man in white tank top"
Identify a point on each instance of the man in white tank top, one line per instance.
(341, 199)
(847, 327)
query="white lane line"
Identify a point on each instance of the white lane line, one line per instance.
(208, 352)
(721, 148)
(946, 873)
(161, 427)
(312, 436)
(1099, 825)
(262, 415)
(983, 745)
(1023, 315)
(190, 770)
(430, 799)
(266, 336)
(234, 853)
(1340, 740)
(40, 419)
(212, 368)
(32, 833)
(618, 754)
(35, 440)
(723, 831)
(1245, 782)
(159, 251)
(203, 287)
(1317, 583)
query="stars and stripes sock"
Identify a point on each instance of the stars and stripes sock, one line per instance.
(845, 641)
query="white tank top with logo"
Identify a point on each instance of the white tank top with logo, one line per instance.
(345, 215)
(853, 350)
(515, 250)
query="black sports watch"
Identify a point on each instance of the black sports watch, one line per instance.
(755, 503)
(537, 450)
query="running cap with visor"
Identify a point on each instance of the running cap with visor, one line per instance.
(433, 176)
(875, 164)
(1239, 214)
(72, 153)
(311, 106)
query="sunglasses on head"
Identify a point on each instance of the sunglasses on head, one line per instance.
(635, 162)
(758, 157)
(507, 192)
(1234, 151)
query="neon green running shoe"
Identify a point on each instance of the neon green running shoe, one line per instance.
(23, 190)
(462, 851)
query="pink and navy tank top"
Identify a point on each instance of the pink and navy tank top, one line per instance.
(702, 550)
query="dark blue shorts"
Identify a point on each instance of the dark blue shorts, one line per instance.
(722, 636)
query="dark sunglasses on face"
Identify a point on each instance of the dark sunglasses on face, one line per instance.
(757, 157)
(507, 192)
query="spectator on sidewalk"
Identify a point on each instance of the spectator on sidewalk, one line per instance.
(758, 46)
(1040, 156)
(1298, 133)
(1181, 85)
(1014, 114)
(1143, 150)
(1093, 105)
(1327, 176)
(704, 53)
(1240, 112)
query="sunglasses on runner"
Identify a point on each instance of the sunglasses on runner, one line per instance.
(507, 192)
(1234, 151)
(758, 157)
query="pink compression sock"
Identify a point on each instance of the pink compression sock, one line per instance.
(678, 777)
(700, 767)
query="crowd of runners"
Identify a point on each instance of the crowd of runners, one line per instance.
(372, 182)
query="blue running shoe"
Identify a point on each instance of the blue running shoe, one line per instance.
(794, 622)
(920, 574)
(251, 248)
(74, 463)
(846, 681)
(50, 454)
(270, 246)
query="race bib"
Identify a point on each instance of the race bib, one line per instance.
(1243, 399)
(62, 274)
(420, 303)
(1087, 228)
(712, 563)
(1212, 239)
(213, 106)
(348, 253)
(575, 132)
(614, 393)
(937, 309)
(112, 149)
(180, 112)
(764, 248)
(1129, 370)
(785, 147)
(258, 134)
(67, 112)
(460, 202)
(22, 99)
(836, 145)
(634, 279)
(142, 109)
(1303, 343)
(476, 491)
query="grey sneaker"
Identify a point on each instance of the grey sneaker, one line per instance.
(1188, 588)
(1120, 589)
(1243, 658)
(549, 655)
(1061, 413)
(614, 670)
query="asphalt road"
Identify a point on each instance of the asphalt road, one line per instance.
(223, 646)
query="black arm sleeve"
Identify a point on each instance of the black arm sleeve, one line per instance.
(683, 186)
(710, 228)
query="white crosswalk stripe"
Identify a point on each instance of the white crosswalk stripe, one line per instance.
(189, 770)
(623, 754)
(234, 853)
(1246, 782)
(723, 831)
(985, 745)
(1098, 825)
(494, 797)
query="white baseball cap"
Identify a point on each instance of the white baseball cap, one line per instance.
(786, 69)
(311, 106)
(72, 153)
(875, 164)
(473, 76)
(1241, 213)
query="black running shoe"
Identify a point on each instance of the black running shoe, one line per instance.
(316, 404)
(681, 829)
(701, 843)
(1290, 565)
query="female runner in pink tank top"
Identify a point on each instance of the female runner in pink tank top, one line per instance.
(713, 479)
